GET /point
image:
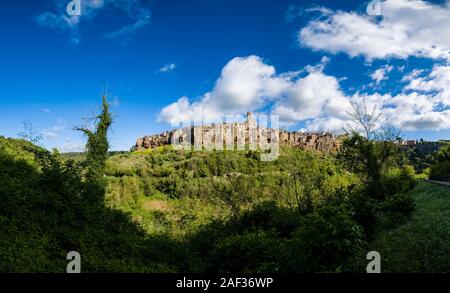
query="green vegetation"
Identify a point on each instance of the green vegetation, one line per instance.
(50, 206)
(422, 244)
(441, 168)
(164, 210)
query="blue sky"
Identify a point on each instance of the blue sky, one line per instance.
(158, 59)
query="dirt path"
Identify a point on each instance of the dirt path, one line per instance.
(439, 182)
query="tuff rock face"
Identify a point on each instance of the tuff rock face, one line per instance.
(235, 133)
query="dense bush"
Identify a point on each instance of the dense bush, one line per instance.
(397, 210)
(440, 171)
(50, 206)
(276, 239)
(325, 240)
(441, 167)
(167, 210)
(370, 159)
(421, 244)
(398, 180)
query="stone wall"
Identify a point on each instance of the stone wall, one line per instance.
(232, 134)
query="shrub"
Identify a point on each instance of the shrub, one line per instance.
(324, 241)
(365, 212)
(251, 252)
(397, 180)
(370, 159)
(440, 171)
(397, 210)
(268, 216)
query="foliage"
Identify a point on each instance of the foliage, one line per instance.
(325, 240)
(420, 245)
(440, 171)
(441, 168)
(443, 155)
(370, 159)
(48, 207)
(397, 180)
(97, 145)
(221, 211)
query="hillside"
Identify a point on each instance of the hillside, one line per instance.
(421, 245)
(163, 210)
(197, 185)
(47, 210)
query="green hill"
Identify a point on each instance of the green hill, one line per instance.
(47, 210)
(165, 210)
(422, 244)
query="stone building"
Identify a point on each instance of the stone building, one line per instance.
(238, 134)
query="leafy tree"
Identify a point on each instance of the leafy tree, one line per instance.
(97, 145)
(369, 159)
(441, 167)
(235, 194)
(373, 154)
(443, 154)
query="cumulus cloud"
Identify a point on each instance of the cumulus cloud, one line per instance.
(313, 97)
(436, 83)
(381, 73)
(412, 75)
(136, 11)
(178, 112)
(245, 84)
(407, 28)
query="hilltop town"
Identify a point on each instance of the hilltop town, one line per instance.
(247, 132)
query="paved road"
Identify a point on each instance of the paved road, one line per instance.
(439, 182)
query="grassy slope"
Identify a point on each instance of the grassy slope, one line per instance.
(168, 191)
(45, 213)
(423, 244)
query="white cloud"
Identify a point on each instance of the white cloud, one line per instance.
(136, 11)
(245, 84)
(178, 112)
(70, 146)
(49, 134)
(381, 74)
(168, 67)
(55, 131)
(311, 97)
(140, 20)
(408, 28)
(412, 75)
(48, 111)
(315, 98)
(437, 83)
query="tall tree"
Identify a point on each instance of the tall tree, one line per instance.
(363, 119)
(97, 145)
(370, 155)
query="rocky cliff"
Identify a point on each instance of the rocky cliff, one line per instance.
(323, 142)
